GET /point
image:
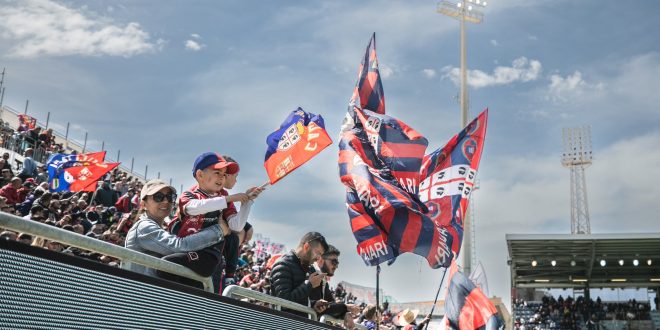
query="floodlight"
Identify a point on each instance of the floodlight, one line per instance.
(573, 263)
(534, 263)
(603, 262)
(635, 262)
(553, 263)
(620, 262)
(649, 262)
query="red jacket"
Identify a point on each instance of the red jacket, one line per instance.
(10, 194)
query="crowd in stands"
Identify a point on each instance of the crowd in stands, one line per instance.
(570, 313)
(111, 211)
(42, 141)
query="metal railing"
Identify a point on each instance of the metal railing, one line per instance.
(233, 291)
(52, 233)
(68, 143)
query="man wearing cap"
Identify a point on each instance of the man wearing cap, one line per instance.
(204, 204)
(148, 236)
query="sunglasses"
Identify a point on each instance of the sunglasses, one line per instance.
(334, 262)
(159, 197)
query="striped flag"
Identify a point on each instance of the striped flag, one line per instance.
(466, 306)
(368, 93)
(399, 200)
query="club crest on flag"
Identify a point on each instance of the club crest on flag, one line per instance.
(300, 137)
(290, 137)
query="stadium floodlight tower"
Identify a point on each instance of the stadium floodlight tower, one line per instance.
(464, 11)
(577, 156)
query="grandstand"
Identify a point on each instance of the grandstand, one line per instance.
(14, 142)
(583, 263)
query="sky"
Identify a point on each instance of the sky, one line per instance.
(164, 81)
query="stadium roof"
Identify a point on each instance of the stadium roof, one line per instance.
(586, 251)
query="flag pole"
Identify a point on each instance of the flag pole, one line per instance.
(436, 299)
(378, 296)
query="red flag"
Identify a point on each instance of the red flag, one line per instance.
(86, 176)
(300, 137)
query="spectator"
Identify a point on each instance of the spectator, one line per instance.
(238, 235)
(204, 204)
(7, 164)
(10, 191)
(407, 320)
(6, 177)
(42, 174)
(328, 264)
(124, 203)
(148, 236)
(289, 277)
(29, 166)
(105, 195)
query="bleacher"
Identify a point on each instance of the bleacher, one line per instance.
(527, 316)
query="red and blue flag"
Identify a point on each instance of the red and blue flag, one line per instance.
(466, 306)
(398, 199)
(77, 172)
(300, 137)
(368, 93)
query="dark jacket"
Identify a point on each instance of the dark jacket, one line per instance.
(288, 281)
(336, 310)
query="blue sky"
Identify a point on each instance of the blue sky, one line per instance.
(167, 80)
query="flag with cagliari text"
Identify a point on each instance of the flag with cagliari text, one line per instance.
(300, 137)
(77, 172)
(388, 177)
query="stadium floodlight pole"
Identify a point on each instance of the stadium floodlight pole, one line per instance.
(27, 102)
(118, 153)
(47, 119)
(66, 136)
(464, 11)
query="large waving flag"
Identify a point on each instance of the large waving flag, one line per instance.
(386, 217)
(466, 307)
(368, 93)
(389, 182)
(300, 137)
(448, 176)
(77, 172)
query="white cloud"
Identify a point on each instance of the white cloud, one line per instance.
(43, 27)
(195, 36)
(385, 71)
(494, 42)
(522, 70)
(563, 89)
(429, 73)
(194, 45)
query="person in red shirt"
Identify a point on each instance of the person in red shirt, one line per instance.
(10, 191)
(205, 202)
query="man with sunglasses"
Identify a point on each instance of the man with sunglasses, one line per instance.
(328, 264)
(293, 278)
